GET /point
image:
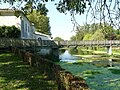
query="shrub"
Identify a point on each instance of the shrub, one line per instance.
(9, 32)
(80, 52)
(73, 51)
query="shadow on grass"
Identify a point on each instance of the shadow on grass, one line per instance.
(14, 75)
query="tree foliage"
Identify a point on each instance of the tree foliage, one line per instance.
(29, 7)
(87, 36)
(73, 38)
(77, 6)
(98, 35)
(100, 10)
(97, 32)
(58, 39)
(9, 32)
(41, 22)
(109, 32)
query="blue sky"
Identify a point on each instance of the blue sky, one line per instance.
(61, 25)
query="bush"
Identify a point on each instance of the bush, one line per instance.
(73, 51)
(9, 32)
(80, 52)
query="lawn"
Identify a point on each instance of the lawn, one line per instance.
(16, 75)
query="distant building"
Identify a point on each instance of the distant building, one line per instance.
(8, 18)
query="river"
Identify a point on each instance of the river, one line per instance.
(100, 72)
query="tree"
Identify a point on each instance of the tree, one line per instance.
(80, 33)
(73, 38)
(29, 8)
(58, 39)
(87, 36)
(100, 10)
(98, 35)
(109, 32)
(41, 22)
(117, 34)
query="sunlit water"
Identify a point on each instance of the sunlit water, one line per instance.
(100, 74)
(67, 57)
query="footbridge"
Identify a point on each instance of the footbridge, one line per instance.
(89, 43)
(54, 45)
(105, 43)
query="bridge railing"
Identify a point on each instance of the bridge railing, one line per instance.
(5, 42)
(89, 43)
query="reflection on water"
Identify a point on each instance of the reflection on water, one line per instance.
(110, 62)
(67, 57)
(98, 61)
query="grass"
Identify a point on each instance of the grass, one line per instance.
(97, 78)
(115, 71)
(16, 75)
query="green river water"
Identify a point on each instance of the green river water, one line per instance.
(100, 73)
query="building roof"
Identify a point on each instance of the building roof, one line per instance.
(12, 12)
(41, 34)
(7, 12)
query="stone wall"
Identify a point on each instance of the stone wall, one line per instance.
(64, 79)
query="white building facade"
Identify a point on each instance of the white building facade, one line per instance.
(8, 18)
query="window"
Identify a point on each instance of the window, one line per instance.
(28, 29)
(22, 28)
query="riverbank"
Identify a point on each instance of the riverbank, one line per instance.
(97, 77)
(16, 75)
(101, 72)
(98, 54)
(62, 78)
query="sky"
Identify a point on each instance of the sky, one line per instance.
(61, 25)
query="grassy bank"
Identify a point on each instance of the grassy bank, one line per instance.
(16, 75)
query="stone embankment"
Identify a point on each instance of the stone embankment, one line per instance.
(64, 79)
